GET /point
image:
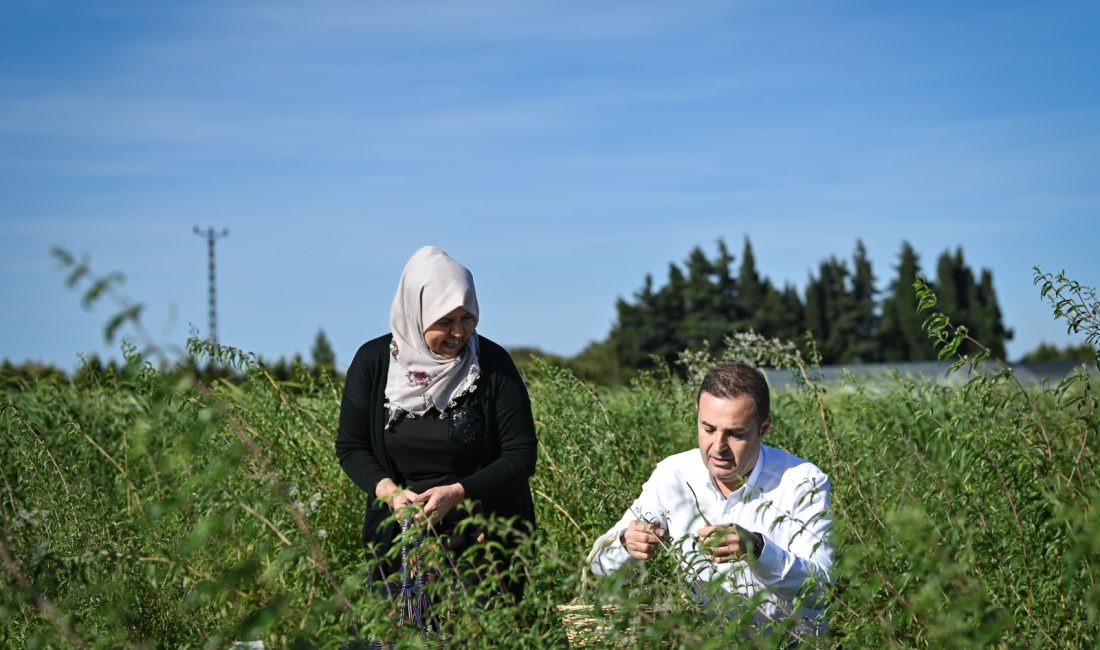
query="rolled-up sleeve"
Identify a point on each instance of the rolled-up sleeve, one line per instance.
(608, 554)
(802, 553)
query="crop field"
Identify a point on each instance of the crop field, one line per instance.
(142, 509)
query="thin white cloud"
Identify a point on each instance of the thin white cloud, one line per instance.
(601, 141)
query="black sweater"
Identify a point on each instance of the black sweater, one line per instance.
(509, 446)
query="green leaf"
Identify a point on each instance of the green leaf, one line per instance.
(118, 320)
(63, 257)
(76, 275)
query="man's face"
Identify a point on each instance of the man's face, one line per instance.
(729, 438)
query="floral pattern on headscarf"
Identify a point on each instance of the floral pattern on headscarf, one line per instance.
(432, 285)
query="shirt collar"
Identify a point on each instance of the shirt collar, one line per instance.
(707, 481)
(754, 475)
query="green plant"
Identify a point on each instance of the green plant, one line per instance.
(142, 507)
(1075, 303)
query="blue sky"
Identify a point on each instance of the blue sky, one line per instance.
(561, 150)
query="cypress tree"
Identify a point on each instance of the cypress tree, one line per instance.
(633, 337)
(667, 317)
(955, 289)
(324, 357)
(902, 337)
(969, 303)
(863, 346)
(790, 317)
(750, 292)
(817, 320)
(702, 319)
(726, 287)
(829, 315)
(993, 332)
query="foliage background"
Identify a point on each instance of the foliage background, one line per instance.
(143, 508)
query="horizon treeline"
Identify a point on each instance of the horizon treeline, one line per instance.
(704, 300)
(92, 368)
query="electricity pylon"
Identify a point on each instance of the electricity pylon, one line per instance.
(212, 235)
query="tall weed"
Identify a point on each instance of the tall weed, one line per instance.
(142, 508)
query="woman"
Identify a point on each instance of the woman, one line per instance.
(434, 414)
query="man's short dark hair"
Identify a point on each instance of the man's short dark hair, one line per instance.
(734, 379)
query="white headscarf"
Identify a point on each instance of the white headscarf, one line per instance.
(432, 286)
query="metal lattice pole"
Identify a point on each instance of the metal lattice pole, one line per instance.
(212, 235)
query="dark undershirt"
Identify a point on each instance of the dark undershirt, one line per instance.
(430, 451)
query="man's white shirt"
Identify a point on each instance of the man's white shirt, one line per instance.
(785, 498)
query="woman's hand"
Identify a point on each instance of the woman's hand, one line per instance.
(439, 500)
(403, 498)
(395, 496)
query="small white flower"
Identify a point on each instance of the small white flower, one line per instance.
(29, 518)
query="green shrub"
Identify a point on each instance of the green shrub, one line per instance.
(143, 509)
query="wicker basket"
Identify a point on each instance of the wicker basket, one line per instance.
(587, 625)
(591, 625)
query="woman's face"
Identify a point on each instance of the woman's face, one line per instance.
(448, 335)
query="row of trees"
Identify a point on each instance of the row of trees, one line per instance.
(704, 301)
(93, 369)
(321, 353)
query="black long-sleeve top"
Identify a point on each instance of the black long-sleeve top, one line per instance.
(508, 444)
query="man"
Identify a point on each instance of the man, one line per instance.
(753, 517)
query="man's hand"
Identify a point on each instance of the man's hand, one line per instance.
(439, 500)
(729, 542)
(642, 539)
